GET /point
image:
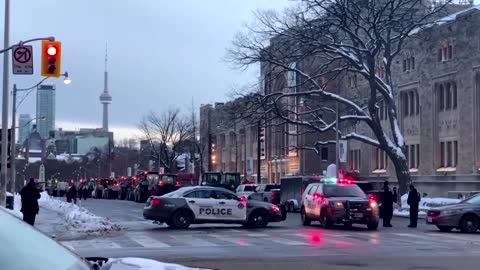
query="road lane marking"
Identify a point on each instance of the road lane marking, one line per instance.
(104, 244)
(146, 241)
(194, 241)
(257, 235)
(288, 242)
(234, 240)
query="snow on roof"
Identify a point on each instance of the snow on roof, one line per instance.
(450, 18)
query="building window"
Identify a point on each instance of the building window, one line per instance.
(324, 153)
(383, 112)
(381, 159)
(441, 98)
(410, 102)
(445, 53)
(448, 154)
(355, 160)
(447, 96)
(413, 155)
(408, 64)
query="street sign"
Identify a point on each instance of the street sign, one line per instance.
(22, 60)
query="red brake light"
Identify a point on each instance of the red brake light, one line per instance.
(433, 213)
(340, 180)
(160, 183)
(272, 196)
(316, 196)
(177, 183)
(371, 198)
(155, 201)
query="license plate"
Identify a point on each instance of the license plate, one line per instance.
(429, 219)
(358, 215)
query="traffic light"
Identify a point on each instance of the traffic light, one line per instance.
(51, 58)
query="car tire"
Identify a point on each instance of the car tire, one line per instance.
(444, 228)
(258, 219)
(469, 223)
(325, 220)
(372, 225)
(305, 220)
(181, 219)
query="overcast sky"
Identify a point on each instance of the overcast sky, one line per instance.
(162, 53)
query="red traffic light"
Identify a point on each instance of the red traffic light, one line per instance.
(52, 51)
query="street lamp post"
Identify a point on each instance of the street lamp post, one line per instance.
(14, 116)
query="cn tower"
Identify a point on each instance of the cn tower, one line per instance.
(105, 97)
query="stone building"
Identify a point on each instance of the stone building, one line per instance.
(437, 92)
(437, 82)
(230, 145)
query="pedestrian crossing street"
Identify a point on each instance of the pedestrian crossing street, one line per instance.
(170, 239)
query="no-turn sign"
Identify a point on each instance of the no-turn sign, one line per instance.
(22, 60)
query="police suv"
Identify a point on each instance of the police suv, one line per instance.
(331, 203)
(202, 204)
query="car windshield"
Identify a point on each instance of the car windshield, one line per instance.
(473, 200)
(249, 188)
(342, 191)
(23, 247)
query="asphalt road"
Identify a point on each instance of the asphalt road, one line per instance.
(289, 241)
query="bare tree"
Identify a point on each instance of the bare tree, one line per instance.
(319, 45)
(167, 134)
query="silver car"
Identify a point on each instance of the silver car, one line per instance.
(464, 216)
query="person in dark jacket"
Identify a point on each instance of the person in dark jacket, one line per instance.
(413, 201)
(388, 199)
(72, 194)
(85, 191)
(30, 195)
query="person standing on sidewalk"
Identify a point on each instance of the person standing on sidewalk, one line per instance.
(413, 201)
(30, 196)
(72, 194)
(387, 205)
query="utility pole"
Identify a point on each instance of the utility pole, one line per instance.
(209, 141)
(259, 152)
(337, 139)
(13, 153)
(4, 143)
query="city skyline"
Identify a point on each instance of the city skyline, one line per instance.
(153, 70)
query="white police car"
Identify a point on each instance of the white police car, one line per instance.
(201, 204)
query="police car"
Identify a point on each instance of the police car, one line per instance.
(202, 204)
(332, 202)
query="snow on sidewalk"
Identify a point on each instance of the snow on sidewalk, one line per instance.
(425, 204)
(66, 220)
(144, 264)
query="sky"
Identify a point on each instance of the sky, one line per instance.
(161, 54)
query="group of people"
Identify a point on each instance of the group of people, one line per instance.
(73, 193)
(389, 197)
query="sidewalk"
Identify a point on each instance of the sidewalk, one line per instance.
(51, 223)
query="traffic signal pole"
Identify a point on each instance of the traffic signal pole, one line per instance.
(4, 143)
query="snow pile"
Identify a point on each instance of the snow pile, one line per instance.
(17, 205)
(424, 206)
(77, 218)
(143, 264)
